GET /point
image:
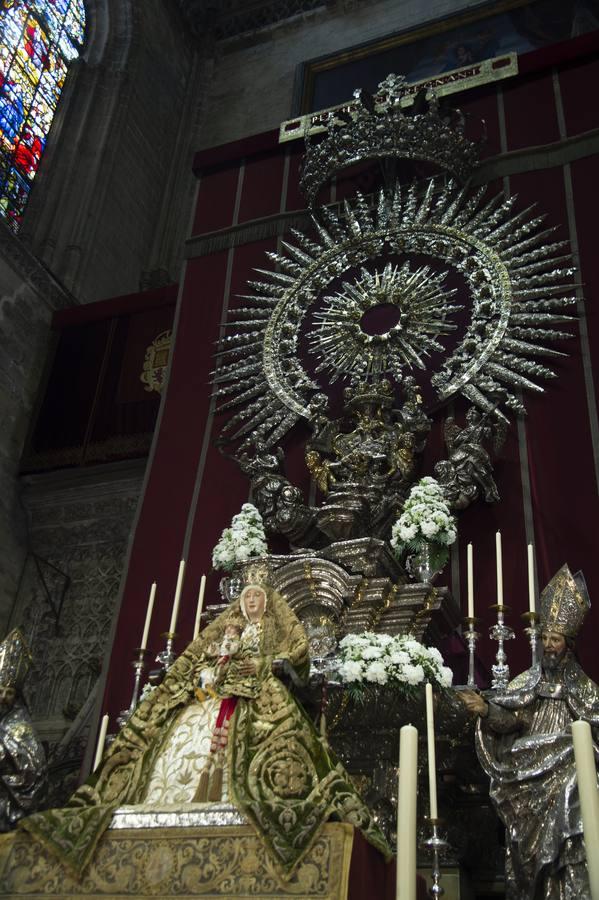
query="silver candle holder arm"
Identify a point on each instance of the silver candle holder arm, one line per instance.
(139, 664)
(500, 633)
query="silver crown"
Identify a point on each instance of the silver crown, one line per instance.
(380, 127)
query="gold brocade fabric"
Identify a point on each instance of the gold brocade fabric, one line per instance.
(176, 773)
(214, 863)
(281, 776)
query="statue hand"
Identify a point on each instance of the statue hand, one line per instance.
(247, 667)
(278, 668)
(474, 703)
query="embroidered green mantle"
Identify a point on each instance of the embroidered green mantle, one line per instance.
(282, 777)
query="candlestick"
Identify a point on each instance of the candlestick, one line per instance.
(500, 633)
(435, 844)
(175, 611)
(196, 627)
(533, 631)
(470, 582)
(138, 664)
(471, 636)
(531, 581)
(167, 657)
(586, 773)
(406, 814)
(499, 569)
(430, 742)
(101, 742)
(149, 610)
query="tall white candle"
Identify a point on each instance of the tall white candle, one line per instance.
(196, 627)
(531, 581)
(101, 742)
(406, 814)
(177, 599)
(144, 638)
(499, 568)
(470, 581)
(430, 739)
(589, 799)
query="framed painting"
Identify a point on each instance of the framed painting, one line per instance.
(481, 33)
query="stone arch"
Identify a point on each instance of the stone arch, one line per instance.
(61, 690)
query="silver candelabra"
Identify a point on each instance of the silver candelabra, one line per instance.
(139, 664)
(500, 633)
(471, 636)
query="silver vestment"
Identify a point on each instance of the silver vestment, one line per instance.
(23, 769)
(525, 747)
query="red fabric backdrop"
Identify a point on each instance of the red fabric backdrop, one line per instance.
(192, 489)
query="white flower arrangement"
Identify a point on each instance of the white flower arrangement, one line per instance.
(244, 539)
(426, 519)
(400, 661)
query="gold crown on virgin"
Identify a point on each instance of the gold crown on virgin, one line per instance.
(563, 605)
(256, 573)
(15, 659)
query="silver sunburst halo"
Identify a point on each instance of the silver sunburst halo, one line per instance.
(516, 283)
(345, 348)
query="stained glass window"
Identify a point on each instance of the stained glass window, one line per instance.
(38, 40)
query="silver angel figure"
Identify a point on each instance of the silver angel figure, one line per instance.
(23, 768)
(524, 744)
(468, 472)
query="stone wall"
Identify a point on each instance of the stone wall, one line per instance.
(254, 80)
(79, 523)
(28, 296)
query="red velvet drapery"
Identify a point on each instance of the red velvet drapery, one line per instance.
(548, 471)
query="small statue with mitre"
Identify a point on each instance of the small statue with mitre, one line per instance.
(23, 768)
(524, 744)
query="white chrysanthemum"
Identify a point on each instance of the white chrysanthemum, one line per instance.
(429, 528)
(434, 655)
(377, 672)
(446, 676)
(372, 652)
(408, 532)
(385, 640)
(351, 670)
(413, 674)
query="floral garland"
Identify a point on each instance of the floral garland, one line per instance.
(426, 520)
(400, 661)
(242, 540)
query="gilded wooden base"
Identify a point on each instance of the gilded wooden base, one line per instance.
(224, 862)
